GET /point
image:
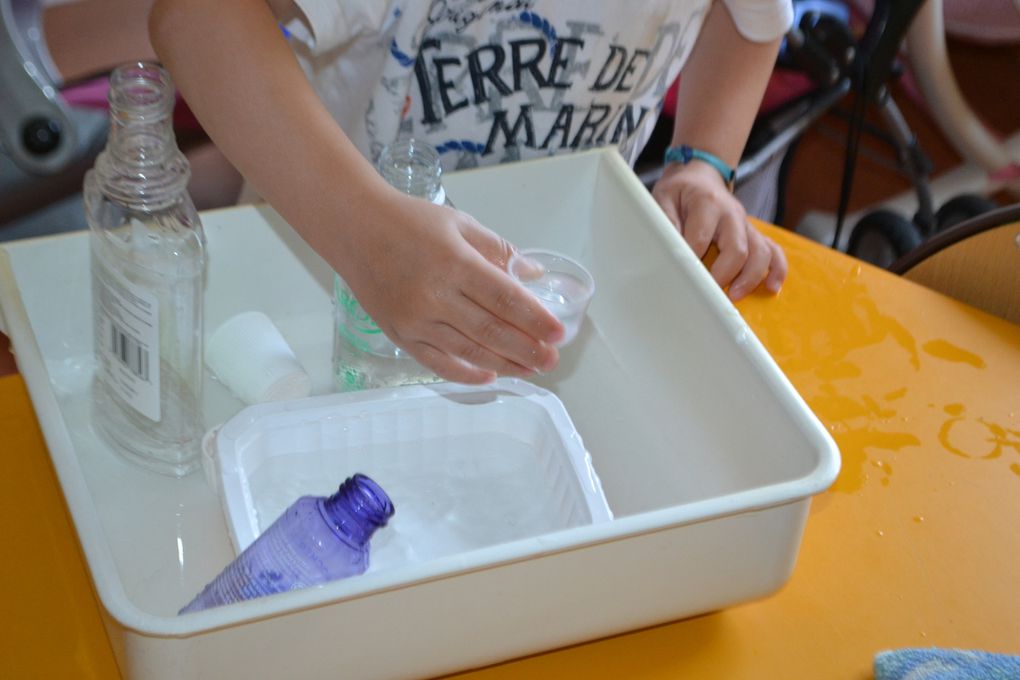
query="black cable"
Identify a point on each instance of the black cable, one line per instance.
(867, 127)
(850, 160)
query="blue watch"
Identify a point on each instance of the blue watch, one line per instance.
(684, 154)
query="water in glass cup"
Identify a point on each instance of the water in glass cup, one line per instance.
(562, 285)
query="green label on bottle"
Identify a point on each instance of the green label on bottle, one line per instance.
(357, 318)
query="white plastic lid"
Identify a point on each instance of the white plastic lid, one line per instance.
(465, 466)
(248, 354)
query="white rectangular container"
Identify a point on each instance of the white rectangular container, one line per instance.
(466, 467)
(707, 455)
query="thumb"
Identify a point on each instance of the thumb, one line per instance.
(489, 244)
(669, 206)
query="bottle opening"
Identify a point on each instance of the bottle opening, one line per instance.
(369, 500)
(412, 166)
(141, 90)
(141, 166)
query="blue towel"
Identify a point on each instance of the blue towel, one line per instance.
(945, 664)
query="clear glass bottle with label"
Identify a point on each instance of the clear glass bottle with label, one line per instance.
(148, 274)
(316, 540)
(363, 357)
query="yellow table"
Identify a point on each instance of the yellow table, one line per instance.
(916, 544)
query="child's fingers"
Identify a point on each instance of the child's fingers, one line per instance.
(735, 247)
(507, 301)
(490, 343)
(778, 268)
(700, 225)
(449, 367)
(509, 320)
(669, 206)
(755, 266)
(493, 247)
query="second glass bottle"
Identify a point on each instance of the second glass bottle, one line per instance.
(363, 357)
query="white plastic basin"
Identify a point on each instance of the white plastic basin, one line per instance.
(707, 455)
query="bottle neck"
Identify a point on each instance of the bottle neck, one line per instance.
(412, 166)
(357, 509)
(141, 166)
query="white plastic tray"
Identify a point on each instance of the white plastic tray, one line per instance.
(707, 455)
(466, 467)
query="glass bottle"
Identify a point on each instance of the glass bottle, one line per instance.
(148, 271)
(316, 540)
(363, 357)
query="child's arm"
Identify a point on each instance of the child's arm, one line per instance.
(721, 89)
(431, 277)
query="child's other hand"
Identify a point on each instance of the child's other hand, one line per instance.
(700, 206)
(435, 282)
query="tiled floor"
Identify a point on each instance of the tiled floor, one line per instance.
(988, 76)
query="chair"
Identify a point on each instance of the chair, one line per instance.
(52, 129)
(976, 262)
(46, 144)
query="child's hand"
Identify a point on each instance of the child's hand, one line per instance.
(435, 282)
(698, 203)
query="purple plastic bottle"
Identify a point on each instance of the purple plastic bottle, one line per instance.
(315, 540)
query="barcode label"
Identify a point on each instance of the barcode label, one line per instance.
(130, 352)
(127, 335)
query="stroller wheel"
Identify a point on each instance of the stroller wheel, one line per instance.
(961, 208)
(882, 237)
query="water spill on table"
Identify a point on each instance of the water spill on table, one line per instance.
(878, 418)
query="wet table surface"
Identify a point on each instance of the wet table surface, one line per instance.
(917, 544)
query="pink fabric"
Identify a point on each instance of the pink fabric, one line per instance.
(784, 86)
(90, 94)
(1009, 173)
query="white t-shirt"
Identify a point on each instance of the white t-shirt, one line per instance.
(489, 81)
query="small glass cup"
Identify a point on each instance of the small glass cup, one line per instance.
(561, 284)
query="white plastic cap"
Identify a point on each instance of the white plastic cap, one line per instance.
(250, 356)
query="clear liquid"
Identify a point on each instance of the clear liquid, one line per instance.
(357, 370)
(563, 295)
(170, 446)
(363, 357)
(165, 259)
